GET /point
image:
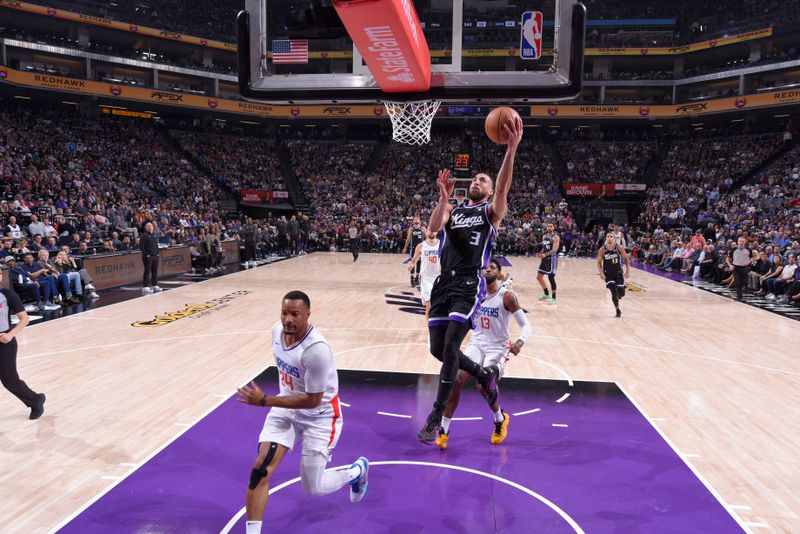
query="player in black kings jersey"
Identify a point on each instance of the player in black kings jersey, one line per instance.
(609, 266)
(549, 255)
(415, 236)
(465, 234)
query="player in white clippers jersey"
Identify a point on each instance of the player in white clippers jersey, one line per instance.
(308, 405)
(490, 345)
(428, 252)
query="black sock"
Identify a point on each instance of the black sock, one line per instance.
(554, 295)
(546, 292)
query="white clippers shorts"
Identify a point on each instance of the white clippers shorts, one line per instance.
(319, 428)
(486, 355)
(425, 287)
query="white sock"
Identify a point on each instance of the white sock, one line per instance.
(445, 424)
(317, 481)
(498, 416)
(253, 527)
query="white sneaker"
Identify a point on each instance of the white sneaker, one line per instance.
(89, 287)
(31, 308)
(49, 306)
(147, 291)
(358, 487)
(770, 296)
(57, 300)
(93, 295)
(157, 289)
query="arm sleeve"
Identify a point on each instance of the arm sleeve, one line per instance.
(14, 302)
(524, 324)
(318, 362)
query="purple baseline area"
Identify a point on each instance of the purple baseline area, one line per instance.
(609, 470)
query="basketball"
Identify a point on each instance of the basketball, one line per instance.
(495, 121)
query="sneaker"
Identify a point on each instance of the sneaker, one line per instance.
(428, 433)
(146, 291)
(551, 301)
(488, 381)
(93, 295)
(501, 429)
(441, 439)
(544, 297)
(38, 407)
(90, 287)
(783, 299)
(157, 289)
(770, 296)
(30, 308)
(358, 487)
(619, 313)
(49, 306)
(57, 299)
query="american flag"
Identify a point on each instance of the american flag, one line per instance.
(290, 51)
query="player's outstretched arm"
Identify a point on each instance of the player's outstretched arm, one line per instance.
(441, 213)
(408, 240)
(415, 259)
(502, 186)
(600, 263)
(511, 304)
(627, 261)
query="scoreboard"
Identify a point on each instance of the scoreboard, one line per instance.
(462, 166)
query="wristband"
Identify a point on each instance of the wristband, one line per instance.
(263, 401)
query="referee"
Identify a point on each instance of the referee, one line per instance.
(10, 303)
(148, 244)
(739, 263)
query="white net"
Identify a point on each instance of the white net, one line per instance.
(411, 121)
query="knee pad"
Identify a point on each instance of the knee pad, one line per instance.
(257, 474)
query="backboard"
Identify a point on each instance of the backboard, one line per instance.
(304, 54)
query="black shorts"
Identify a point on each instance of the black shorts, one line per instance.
(455, 298)
(614, 278)
(549, 265)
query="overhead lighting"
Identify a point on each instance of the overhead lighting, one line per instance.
(782, 115)
(311, 125)
(250, 122)
(22, 97)
(285, 126)
(658, 126)
(112, 107)
(697, 124)
(737, 120)
(699, 128)
(69, 102)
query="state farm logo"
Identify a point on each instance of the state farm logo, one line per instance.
(740, 102)
(712, 44)
(115, 90)
(552, 111)
(51, 11)
(134, 28)
(644, 51)
(212, 103)
(336, 110)
(377, 111)
(203, 42)
(644, 111)
(295, 112)
(3, 73)
(166, 97)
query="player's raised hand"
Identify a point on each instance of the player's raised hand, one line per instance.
(514, 131)
(250, 394)
(446, 184)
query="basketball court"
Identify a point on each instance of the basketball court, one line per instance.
(679, 417)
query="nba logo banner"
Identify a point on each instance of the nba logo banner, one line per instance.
(530, 46)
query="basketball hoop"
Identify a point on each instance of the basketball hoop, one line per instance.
(411, 121)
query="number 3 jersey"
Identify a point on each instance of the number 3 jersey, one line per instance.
(492, 320)
(467, 239)
(305, 367)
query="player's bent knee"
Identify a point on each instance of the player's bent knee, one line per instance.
(260, 468)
